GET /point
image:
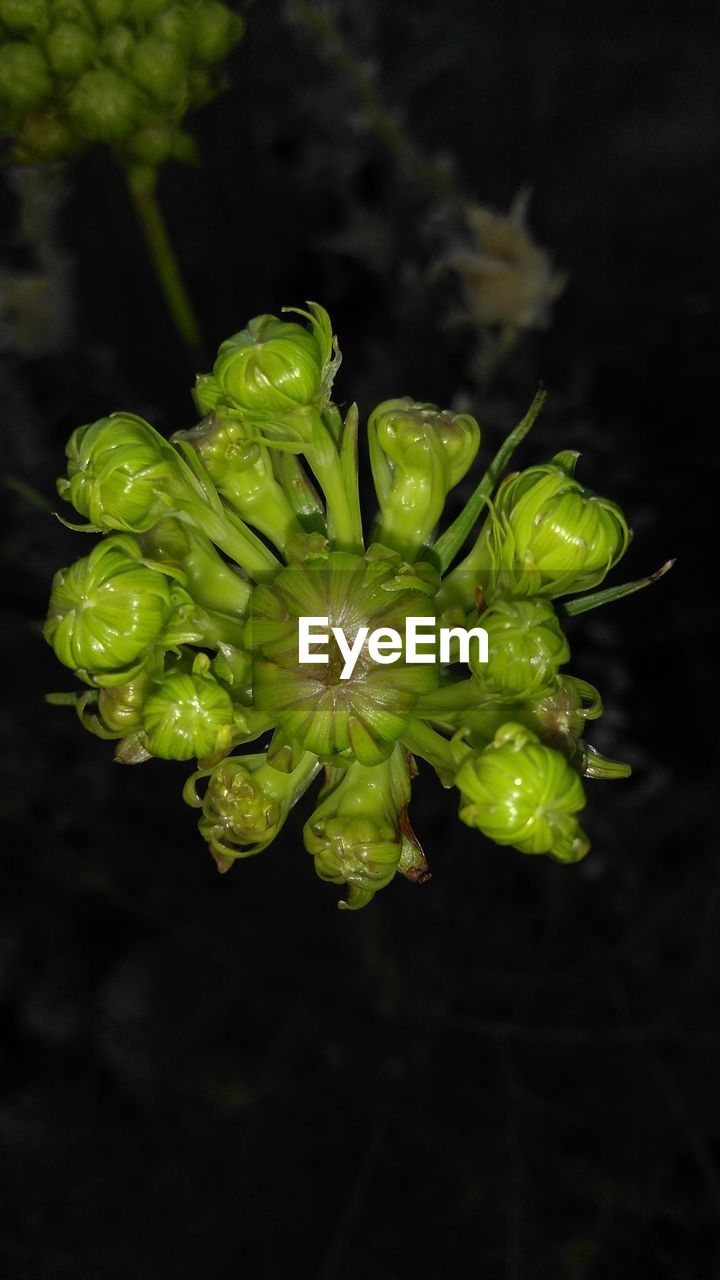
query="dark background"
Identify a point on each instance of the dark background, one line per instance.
(517, 1063)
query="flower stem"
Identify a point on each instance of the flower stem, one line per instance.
(142, 185)
(335, 478)
(451, 541)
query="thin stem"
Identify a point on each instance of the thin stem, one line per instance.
(326, 36)
(583, 603)
(335, 477)
(451, 541)
(142, 185)
(423, 741)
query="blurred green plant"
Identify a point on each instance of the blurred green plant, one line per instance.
(183, 623)
(119, 72)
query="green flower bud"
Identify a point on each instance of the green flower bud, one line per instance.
(360, 714)
(70, 49)
(210, 580)
(24, 76)
(155, 143)
(406, 430)
(174, 25)
(122, 474)
(548, 535)
(104, 106)
(116, 47)
(355, 835)
(558, 716)
(188, 716)
(44, 136)
(121, 707)
(519, 792)
(142, 11)
(108, 11)
(247, 803)
(241, 469)
(107, 609)
(160, 67)
(419, 453)
(215, 31)
(526, 646)
(73, 11)
(271, 366)
(24, 15)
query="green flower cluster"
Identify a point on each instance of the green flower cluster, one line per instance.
(183, 622)
(123, 72)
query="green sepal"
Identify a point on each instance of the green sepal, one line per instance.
(283, 753)
(592, 764)
(62, 699)
(584, 603)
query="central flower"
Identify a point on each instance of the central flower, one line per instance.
(338, 719)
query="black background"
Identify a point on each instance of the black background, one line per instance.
(517, 1063)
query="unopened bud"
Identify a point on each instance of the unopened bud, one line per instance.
(215, 31)
(549, 536)
(519, 792)
(107, 609)
(526, 646)
(70, 49)
(104, 106)
(159, 67)
(25, 15)
(24, 76)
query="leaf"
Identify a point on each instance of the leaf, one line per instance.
(584, 603)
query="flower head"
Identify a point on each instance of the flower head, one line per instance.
(319, 709)
(352, 647)
(123, 72)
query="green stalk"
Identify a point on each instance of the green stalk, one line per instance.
(598, 598)
(269, 510)
(142, 185)
(450, 542)
(300, 491)
(232, 536)
(331, 472)
(423, 741)
(462, 695)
